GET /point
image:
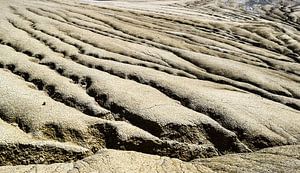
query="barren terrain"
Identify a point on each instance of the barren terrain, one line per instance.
(149, 86)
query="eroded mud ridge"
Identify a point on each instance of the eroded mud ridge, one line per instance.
(127, 86)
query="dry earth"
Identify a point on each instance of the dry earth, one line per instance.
(149, 86)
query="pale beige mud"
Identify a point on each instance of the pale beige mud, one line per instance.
(149, 86)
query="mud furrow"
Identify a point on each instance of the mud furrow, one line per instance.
(70, 95)
(158, 83)
(135, 119)
(98, 135)
(96, 55)
(263, 94)
(214, 84)
(142, 37)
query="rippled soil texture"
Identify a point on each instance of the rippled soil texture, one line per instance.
(149, 86)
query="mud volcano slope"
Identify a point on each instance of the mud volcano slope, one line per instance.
(149, 86)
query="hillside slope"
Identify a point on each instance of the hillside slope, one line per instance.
(144, 86)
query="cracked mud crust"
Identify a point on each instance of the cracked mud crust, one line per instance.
(149, 86)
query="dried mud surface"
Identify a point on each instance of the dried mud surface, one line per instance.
(149, 86)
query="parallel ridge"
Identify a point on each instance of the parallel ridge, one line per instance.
(166, 82)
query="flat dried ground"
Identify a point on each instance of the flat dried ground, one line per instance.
(148, 86)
